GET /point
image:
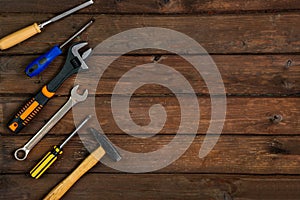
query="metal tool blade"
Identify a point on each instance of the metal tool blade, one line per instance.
(106, 144)
(76, 97)
(76, 34)
(86, 54)
(76, 130)
(75, 51)
(58, 17)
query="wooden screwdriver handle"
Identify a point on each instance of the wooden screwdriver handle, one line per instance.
(57, 192)
(19, 36)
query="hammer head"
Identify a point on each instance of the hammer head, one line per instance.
(110, 150)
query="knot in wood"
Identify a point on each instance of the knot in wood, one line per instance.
(288, 64)
(276, 118)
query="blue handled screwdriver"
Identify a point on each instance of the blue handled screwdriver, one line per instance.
(42, 62)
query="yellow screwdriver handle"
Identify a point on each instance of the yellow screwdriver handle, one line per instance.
(19, 36)
(57, 192)
(45, 163)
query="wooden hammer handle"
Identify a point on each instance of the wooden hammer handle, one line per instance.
(67, 183)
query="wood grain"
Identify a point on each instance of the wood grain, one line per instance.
(150, 6)
(59, 191)
(156, 186)
(244, 115)
(251, 42)
(242, 75)
(267, 33)
(231, 155)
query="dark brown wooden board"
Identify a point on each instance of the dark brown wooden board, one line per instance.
(151, 6)
(244, 115)
(221, 34)
(156, 186)
(251, 42)
(231, 155)
(242, 75)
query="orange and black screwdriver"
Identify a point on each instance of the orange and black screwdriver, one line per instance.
(51, 156)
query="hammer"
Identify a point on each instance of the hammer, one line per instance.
(105, 147)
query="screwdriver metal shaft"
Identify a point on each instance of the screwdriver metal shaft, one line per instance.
(69, 12)
(75, 131)
(76, 34)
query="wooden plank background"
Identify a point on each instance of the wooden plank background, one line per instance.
(255, 45)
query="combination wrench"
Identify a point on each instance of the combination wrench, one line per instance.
(21, 153)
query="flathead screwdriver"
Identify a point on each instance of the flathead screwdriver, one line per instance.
(51, 156)
(42, 62)
(25, 33)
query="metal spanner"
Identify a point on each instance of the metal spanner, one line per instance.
(21, 153)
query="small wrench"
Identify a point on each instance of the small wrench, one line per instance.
(21, 153)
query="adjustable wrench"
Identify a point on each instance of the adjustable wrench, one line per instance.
(74, 64)
(21, 153)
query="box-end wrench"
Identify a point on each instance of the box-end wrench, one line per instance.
(21, 153)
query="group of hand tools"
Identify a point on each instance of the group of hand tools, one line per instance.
(105, 148)
(42, 62)
(50, 157)
(75, 62)
(21, 154)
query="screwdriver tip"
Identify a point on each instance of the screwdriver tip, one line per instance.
(92, 20)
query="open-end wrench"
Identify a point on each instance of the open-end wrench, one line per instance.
(74, 63)
(21, 153)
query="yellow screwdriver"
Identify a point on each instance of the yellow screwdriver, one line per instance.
(51, 156)
(25, 33)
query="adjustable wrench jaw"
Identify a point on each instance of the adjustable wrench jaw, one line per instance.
(75, 51)
(74, 64)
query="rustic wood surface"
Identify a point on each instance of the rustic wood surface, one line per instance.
(242, 75)
(245, 116)
(255, 45)
(265, 155)
(218, 34)
(158, 186)
(151, 6)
